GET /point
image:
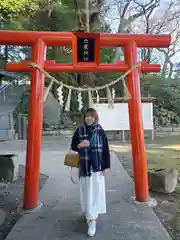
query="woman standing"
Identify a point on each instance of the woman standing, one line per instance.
(91, 143)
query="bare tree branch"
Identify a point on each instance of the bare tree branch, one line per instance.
(125, 20)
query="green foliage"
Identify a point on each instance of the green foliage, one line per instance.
(12, 5)
(106, 55)
(167, 98)
(9, 9)
(50, 16)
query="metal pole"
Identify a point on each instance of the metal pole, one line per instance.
(4, 95)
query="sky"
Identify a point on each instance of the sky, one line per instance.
(113, 19)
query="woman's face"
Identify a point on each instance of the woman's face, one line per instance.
(90, 120)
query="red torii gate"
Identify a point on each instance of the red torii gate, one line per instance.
(39, 42)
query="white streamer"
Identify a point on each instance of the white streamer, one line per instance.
(60, 95)
(80, 101)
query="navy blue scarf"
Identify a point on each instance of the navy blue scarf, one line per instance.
(95, 158)
(91, 158)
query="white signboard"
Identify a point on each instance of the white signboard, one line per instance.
(117, 118)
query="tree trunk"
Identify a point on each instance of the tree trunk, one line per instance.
(165, 66)
(6, 54)
(170, 70)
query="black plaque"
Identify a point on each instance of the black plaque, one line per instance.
(86, 50)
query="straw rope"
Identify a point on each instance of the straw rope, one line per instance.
(80, 89)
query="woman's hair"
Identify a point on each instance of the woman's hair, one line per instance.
(93, 113)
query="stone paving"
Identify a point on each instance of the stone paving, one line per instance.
(2, 216)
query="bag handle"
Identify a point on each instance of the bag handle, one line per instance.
(71, 177)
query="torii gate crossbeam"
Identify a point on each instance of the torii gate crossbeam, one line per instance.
(39, 42)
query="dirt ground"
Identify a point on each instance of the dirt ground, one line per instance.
(11, 199)
(164, 152)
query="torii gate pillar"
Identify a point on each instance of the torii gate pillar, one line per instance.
(39, 42)
(31, 184)
(136, 126)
